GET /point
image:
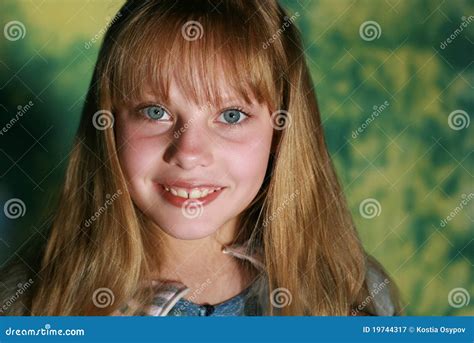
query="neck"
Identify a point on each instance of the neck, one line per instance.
(211, 275)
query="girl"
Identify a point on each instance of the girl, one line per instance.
(200, 182)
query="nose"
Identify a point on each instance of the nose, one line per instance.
(190, 147)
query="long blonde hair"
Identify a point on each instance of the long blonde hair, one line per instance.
(299, 220)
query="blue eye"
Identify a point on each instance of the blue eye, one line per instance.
(233, 116)
(154, 112)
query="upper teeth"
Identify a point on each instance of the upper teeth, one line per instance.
(194, 194)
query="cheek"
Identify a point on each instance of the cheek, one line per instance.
(247, 162)
(138, 155)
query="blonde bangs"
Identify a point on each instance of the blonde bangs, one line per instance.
(199, 51)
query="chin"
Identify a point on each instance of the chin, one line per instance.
(188, 231)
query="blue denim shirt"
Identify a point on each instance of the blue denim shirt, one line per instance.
(240, 305)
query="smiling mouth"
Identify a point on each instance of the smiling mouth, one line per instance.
(178, 196)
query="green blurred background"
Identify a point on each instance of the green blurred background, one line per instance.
(412, 157)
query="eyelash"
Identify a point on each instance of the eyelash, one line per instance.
(239, 109)
(142, 115)
(227, 125)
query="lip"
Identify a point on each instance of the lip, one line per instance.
(179, 202)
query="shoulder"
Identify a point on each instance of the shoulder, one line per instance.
(15, 284)
(379, 295)
(381, 289)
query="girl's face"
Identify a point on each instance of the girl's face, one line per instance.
(192, 168)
